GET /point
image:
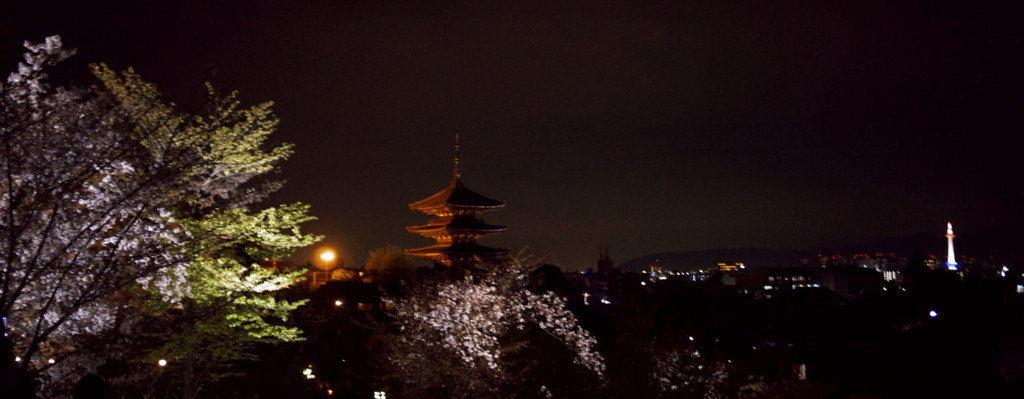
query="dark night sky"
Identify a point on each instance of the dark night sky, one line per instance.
(667, 126)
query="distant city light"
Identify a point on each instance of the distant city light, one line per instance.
(161, 362)
(379, 395)
(933, 313)
(338, 302)
(17, 358)
(691, 338)
(51, 361)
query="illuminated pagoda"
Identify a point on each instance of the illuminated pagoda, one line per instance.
(455, 226)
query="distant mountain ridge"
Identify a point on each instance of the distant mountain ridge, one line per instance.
(1002, 242)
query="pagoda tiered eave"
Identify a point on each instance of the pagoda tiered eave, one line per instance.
(473, 227)
(456, 199)
(460, 250)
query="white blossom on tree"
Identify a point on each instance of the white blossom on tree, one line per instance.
(84, 209)
(98, 186)
(453, 333)
(682, 372)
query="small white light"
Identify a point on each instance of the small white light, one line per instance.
(338, 302)
(17, 358)
(691, 338)
(933, 313)
(51, 361)
(161, 362)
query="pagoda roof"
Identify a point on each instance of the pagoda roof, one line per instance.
(464, 249)
(455, 196)
(458, 225)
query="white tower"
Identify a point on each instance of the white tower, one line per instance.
(950, 257)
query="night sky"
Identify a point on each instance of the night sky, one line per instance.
(653, 127)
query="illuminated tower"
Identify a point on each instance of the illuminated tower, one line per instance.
(950, 257)
(455, 226)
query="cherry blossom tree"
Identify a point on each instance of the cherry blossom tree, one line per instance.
(680, 371)
(456, 335)
(86, 210)
(106, 189)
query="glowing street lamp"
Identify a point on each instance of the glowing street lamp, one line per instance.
(322, 276)
(161, 362)
(327, 256)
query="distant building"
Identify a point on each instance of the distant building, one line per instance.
(456, 227)
(846, 281)
(604, 260)
(851, 282)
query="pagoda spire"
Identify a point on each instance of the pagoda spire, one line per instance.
(950, 257)
(456, 173)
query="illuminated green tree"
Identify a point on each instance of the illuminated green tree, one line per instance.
(225, 303)
(230, 304)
